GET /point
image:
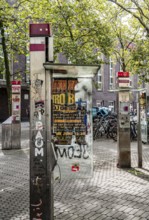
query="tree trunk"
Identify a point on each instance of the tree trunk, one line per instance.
(7, 70)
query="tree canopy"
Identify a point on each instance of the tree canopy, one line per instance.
(83, 30)
(79, 31)
(138, 9)
(138, 20)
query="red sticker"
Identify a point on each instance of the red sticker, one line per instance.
(75, 168)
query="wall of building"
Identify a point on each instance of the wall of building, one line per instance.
(106, 95)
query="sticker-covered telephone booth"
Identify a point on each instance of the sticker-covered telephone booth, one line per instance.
(71, 125)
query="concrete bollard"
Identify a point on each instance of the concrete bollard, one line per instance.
(11, 135)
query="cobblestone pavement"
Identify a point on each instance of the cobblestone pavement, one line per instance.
(111, 194)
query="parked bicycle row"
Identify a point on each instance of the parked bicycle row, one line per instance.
(106, 126)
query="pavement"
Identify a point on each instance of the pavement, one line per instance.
(111, 194)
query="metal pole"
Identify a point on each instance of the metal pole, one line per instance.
(139, 139)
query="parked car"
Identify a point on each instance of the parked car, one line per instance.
(103, 111)
(94, 112)
(99, 112)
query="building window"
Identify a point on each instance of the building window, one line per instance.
(99, 103)
(99, 80)
(111, 105)
(111, 74)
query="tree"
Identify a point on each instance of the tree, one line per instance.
(14, 20)
(140, 61)
(82, 29)
(125, 33)
(79, 32)
(3, 23)
(138, 9)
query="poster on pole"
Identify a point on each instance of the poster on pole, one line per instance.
(72, 126)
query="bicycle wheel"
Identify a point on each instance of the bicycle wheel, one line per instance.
(98, 132)
(113, 132)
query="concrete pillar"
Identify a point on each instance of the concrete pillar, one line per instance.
(41, 202)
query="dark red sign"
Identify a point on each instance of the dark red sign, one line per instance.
(39, 30)
(16, 82)
(37, 47)
(123, 74)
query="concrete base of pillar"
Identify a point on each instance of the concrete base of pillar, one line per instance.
(11, 135)
(124, 151)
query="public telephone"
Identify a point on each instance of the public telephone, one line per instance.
(124, 118)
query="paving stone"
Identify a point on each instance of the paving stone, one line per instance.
(145, 215)
(147, 209)
(128, 210)
(112, 193)
(136, 218)
(139, 213)
(144, 218)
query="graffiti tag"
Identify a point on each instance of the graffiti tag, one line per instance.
(77, 151)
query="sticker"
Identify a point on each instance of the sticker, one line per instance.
(75, 168)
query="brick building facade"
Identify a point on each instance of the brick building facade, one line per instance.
(105, 94)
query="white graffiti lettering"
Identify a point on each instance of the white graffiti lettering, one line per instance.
(38, 152)
(38, 135)
(39, 125)
(39, 142)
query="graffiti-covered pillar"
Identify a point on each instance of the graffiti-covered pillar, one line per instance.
(40, 177)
